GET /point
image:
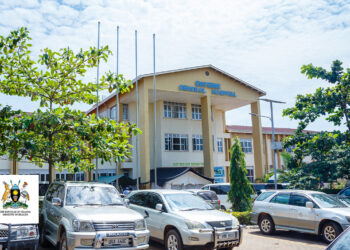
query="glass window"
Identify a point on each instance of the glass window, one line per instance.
(112, 112)
(250, 174)
(196, 112)
(175, 110)
(50, 192)
(138, 199)
(345, 192)
(209, 195)
(103, 114)
(264, 196)
(219, 143)
(327, 201)
(220, 189)
(281, 199)
(246, 145)
(60, 192)
(152, 200)
(125, 111)
(176, 142)
(186, 202)
(197, 143)
(298, 200)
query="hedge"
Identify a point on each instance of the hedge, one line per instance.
(243, 217)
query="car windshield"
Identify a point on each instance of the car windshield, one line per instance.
(327, 201)
(186, 202)
(92, 195)
(210, 196)
(345, 200)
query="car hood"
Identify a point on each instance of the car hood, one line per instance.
(343, 210)
(204, 215)
(104, 213)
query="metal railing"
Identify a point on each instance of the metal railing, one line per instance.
(9, 239)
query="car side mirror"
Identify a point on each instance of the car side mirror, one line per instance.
(159, 207)
(56, 202)
(309, 204)
(127, 202)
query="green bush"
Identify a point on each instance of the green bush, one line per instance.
(243, 217)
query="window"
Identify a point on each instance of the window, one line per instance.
(219, 143)
(281, 199)
(298, 200)
(153, 200)
(250, 174)
(220, 189)
(50, 192)
(264, 196)
(196, 112)
(175, 110)
(197, 143)
(103, 114)
(345, 192)
(246, 145)
(112, 112)
(138, 199)
(125, 111)
(176, 142)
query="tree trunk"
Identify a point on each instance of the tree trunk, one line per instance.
(52, 172)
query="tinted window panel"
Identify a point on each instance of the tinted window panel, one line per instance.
(138, 199)
(281, 199)
(211, 196)
(298, 200)
(264, 196)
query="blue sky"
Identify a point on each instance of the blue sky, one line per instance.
(264, 42)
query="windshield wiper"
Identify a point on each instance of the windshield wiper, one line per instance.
(113, 204)
(93, 204)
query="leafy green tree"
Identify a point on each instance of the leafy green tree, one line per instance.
(328, 149)
(241, 189)
(56, 134)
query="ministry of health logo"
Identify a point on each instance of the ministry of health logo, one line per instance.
(14, 197)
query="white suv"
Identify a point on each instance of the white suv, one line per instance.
(221, 190)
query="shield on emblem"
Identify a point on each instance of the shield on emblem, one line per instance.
(15, 193)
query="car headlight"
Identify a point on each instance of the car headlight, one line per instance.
(82, 226)
(194, 224)
(235, 221)
(29, 231)
(140, 225)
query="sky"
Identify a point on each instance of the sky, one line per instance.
(263, 42)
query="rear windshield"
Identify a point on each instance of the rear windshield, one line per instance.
(211, 196)
(264, 196)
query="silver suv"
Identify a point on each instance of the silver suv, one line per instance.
(179, 218)
(300, 210)
(90, 215)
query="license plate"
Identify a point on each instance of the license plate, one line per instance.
(121, 242)
(228, 236)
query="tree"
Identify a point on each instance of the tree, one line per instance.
(241, 189)
(55, 134)
(328, 149)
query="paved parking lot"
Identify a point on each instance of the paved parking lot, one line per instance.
(282, 240)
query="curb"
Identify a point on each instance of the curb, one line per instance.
(250, 226)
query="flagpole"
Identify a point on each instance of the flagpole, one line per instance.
(137, 119)
(117, 107)
(154, 111)
(97, 80)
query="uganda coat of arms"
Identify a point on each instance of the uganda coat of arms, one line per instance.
(14, 196)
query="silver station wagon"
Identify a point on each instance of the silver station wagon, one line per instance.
(83, 215)
(179, 218)
(299, 210)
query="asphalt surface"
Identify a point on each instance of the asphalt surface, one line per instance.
(254, 240)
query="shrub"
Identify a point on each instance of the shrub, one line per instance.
(242, 217)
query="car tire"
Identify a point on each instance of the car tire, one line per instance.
(173, 240)
(42, 238)
(266, 225)
(330, 231)
(63, 241)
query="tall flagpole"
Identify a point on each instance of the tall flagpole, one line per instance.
(117, 107)
(137, 119)
(98, 73)
(154, 111)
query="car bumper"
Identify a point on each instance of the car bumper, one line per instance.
(212, 237)
(95, 240)
(20, 244)
(254, 218)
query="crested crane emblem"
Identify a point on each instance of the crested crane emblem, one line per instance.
(14, 196)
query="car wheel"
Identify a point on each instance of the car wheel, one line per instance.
(42, 239)
(63, 242)
(173, 240)
(266, 225)
(330, 231)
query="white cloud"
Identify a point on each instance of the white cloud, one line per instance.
(263, 42)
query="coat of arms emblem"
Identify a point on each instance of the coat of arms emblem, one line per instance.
(14, 196)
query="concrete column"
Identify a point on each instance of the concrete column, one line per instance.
(144, 137)
(278, 153)
(207, 137)
(266, 154)
(257, 141)
(14, 167)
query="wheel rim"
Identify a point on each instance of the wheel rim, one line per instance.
(329, 233)
(265, 225)
(172, 242)
(64, 243)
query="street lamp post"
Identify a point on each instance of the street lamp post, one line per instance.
(273, 135)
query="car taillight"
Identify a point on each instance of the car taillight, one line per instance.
(219, 202)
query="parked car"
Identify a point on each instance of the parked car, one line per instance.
(299, 210)
(19, 236)
(89, 216)
(178, 218)
(344, 193)
(221, 190)
(342, 242)
(259, 187)
(207, 195)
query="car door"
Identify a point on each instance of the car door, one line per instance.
(278, 208)
(47, 208)
(56, 211)
(302, 217)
